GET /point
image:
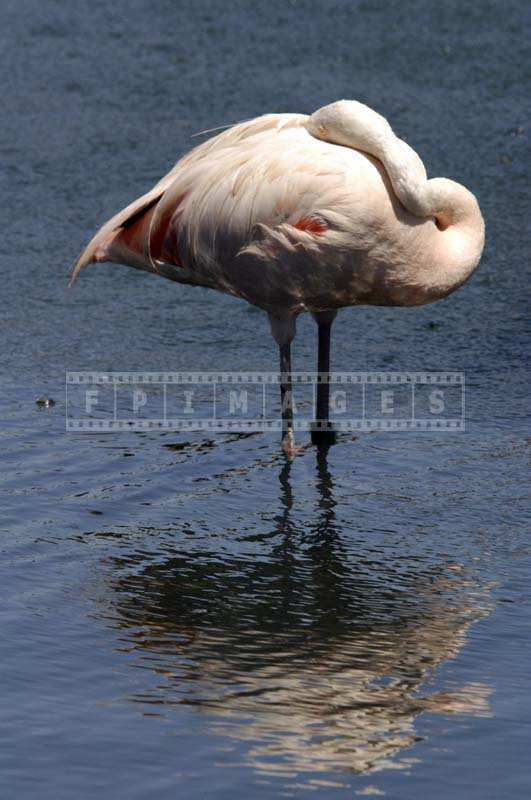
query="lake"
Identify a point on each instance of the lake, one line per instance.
(191, 615)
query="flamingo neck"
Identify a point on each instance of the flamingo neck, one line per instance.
(457, 244)
(354, 125)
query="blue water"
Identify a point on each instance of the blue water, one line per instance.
(190, 615)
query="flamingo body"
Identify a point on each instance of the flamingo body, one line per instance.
(298, 213)
(290, 222)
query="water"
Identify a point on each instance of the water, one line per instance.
(190, 616)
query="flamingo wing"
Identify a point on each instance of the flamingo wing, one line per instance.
(129, 236)
(260, 211)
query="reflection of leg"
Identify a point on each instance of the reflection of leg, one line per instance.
(283, 331)
(323, 432)
(324, 478)
(283, 523)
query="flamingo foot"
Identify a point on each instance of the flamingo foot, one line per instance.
(288, 444)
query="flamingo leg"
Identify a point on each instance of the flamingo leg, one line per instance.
(286, 399)
(323, 432)
(283, 330)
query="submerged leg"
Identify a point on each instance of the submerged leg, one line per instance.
(323, 431)
(283, 331)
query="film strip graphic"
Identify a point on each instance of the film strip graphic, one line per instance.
(98, 402)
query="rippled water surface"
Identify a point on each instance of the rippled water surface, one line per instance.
(192, 616)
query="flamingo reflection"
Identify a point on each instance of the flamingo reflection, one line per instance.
(307, 643)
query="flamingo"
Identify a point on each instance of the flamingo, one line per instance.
(302, 213)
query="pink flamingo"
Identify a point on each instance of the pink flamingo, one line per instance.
(298, 213)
